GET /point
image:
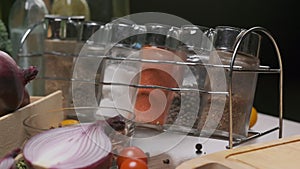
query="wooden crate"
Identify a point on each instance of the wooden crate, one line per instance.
(12, 133)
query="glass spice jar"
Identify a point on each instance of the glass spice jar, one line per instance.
(185, 109)
(215, 120)
(161, 44)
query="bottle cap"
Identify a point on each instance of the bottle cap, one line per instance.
(225, 39)
(63, 27)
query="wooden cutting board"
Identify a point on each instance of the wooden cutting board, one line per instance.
(279, 154)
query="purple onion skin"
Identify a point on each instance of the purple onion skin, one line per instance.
(12, 83)
(9, 157)
(26, 99)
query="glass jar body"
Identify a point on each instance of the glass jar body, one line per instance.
(25, 15)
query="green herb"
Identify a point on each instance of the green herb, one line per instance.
(5, 43)
(22, 165)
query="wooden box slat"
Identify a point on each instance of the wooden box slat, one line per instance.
(12, 133)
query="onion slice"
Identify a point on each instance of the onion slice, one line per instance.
(8, 161)
(79, 146)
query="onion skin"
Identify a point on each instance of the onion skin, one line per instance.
(13, 80)
(7, 162)
(26, 99)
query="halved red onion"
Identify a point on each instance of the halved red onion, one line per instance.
(8, 161)
(79, 146)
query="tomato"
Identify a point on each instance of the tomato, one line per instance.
(132, 152)
(133, 164)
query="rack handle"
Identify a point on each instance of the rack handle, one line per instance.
(240, 38)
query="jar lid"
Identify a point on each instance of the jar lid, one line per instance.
(60, 18)
(88, 29)
(225, 39)
(127, 33)
(196, 37)
(164, 36)
(63, 27)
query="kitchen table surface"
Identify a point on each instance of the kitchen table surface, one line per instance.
(173, 149)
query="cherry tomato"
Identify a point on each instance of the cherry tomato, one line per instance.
(132, 152)
(133, 164)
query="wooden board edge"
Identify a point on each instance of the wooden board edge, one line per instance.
(39, 99)
(35, 98)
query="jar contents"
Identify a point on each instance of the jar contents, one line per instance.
(152, 105)
(184, 110)
(212, 119)
(243, 90)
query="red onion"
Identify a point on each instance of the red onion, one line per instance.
(26, 99)
(12, 83)
(8, 161)
(83, 146)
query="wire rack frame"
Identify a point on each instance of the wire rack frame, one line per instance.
(264, 69)
(232, 68)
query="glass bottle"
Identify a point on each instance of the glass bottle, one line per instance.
(71, 8)
(108, 10)
(120, 8)
(101, 10)
(23, 15)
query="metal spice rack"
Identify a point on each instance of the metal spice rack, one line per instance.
(232, 68)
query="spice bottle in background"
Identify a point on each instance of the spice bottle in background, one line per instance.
(48, 4)
(71, 8)
(108, 10)
(61, 49)
(101, 10)
(120, 8)
(24, 14)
